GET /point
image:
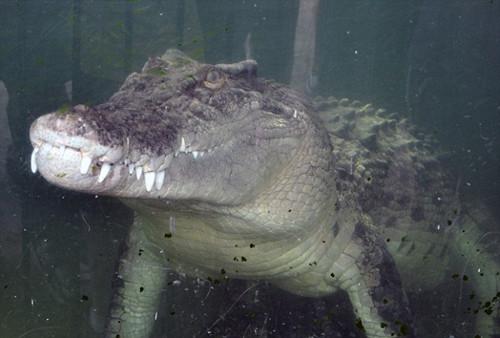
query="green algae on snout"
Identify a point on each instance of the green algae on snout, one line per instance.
(63, 110)
(157, 71)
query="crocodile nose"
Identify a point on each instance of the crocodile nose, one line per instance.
(54, 122)
(59, 129)
(69, 123)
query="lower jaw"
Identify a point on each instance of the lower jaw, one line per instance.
(61, 167)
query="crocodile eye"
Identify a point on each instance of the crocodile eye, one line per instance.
(214, 80)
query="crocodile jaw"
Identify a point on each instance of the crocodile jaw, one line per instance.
(70, 156)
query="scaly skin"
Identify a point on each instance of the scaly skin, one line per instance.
(230, 174)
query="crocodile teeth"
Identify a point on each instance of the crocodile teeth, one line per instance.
(160, 178)
(195, 154)
(295, 113)
(85, 164)
(182, 148)
(138, 172)
(149, 180)
(131, 169)
(202, 153)
(34, 167)
(105, 169)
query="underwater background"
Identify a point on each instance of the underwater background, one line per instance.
(435, 63)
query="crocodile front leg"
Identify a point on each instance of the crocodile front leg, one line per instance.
(141, 277)
(368, 273)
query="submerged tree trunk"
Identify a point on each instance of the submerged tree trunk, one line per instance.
(129, 29)
(179, 22)
(304, 46)
(76, 71)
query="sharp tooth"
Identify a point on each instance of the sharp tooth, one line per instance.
(295, 113)
(34, 167)
(202, 153)
(183, 145)
(105, 169)
(149, 180)
(138, 172)
(131, 169)
(195, 154)
(160, 177)
(85, 164)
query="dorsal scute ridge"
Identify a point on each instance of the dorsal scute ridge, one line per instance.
(380, 158)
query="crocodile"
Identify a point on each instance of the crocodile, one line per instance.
(234, 176)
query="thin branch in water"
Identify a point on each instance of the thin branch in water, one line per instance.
(223, 316)
(85, 221)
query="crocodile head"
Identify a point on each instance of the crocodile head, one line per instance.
(177, 130)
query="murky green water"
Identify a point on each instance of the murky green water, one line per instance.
(434, 63)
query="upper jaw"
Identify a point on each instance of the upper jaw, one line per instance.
(70, 131)
(76, 160)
